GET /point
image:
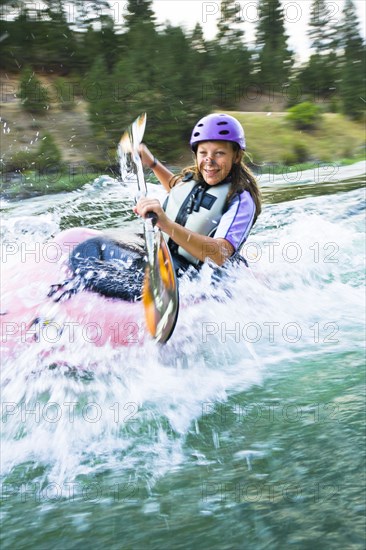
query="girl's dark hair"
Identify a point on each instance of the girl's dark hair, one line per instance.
(242, 180)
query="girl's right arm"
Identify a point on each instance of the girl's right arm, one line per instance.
(161, 172)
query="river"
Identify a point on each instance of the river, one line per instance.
(244, 431)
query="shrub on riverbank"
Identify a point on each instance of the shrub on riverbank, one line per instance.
(305, 115)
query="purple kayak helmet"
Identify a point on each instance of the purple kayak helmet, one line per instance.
(218, 127)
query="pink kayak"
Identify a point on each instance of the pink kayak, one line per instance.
(28, 315)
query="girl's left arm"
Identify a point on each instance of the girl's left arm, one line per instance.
(163, 174)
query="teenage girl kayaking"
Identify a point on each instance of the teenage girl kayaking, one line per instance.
(208, 214)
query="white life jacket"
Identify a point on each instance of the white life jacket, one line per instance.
(198, 207)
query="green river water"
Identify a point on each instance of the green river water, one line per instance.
(244, 432)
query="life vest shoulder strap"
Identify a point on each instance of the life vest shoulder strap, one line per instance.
(196, 206)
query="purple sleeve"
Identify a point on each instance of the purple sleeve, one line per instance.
(237, 221)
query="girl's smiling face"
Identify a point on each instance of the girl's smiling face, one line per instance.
(215, 160)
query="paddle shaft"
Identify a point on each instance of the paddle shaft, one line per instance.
(160, 290)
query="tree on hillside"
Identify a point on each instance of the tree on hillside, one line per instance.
(109, 41)
(353, 83)
(275, 60)
(97, 21)
(91, 13)
(19, 47)
(200, 60)
(320, 75)
(197, 39)
(122, 89)
(39, 36)
(33, 94)
(99, 94)
(101, 41)
(153, 84)
(230, 30)
(139, 12)
(322, 28)
(180, 97)
(59, 39)
(229, 59)
(138, 59)
(49, 155)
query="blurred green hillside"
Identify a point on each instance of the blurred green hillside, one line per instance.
(271, 137)
(70, 85)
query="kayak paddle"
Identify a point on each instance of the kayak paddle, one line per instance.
(160, 289)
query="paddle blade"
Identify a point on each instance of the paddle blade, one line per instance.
(130, 163)
(138, 130)
(160, 292)
(127, 164)
(133, 135)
